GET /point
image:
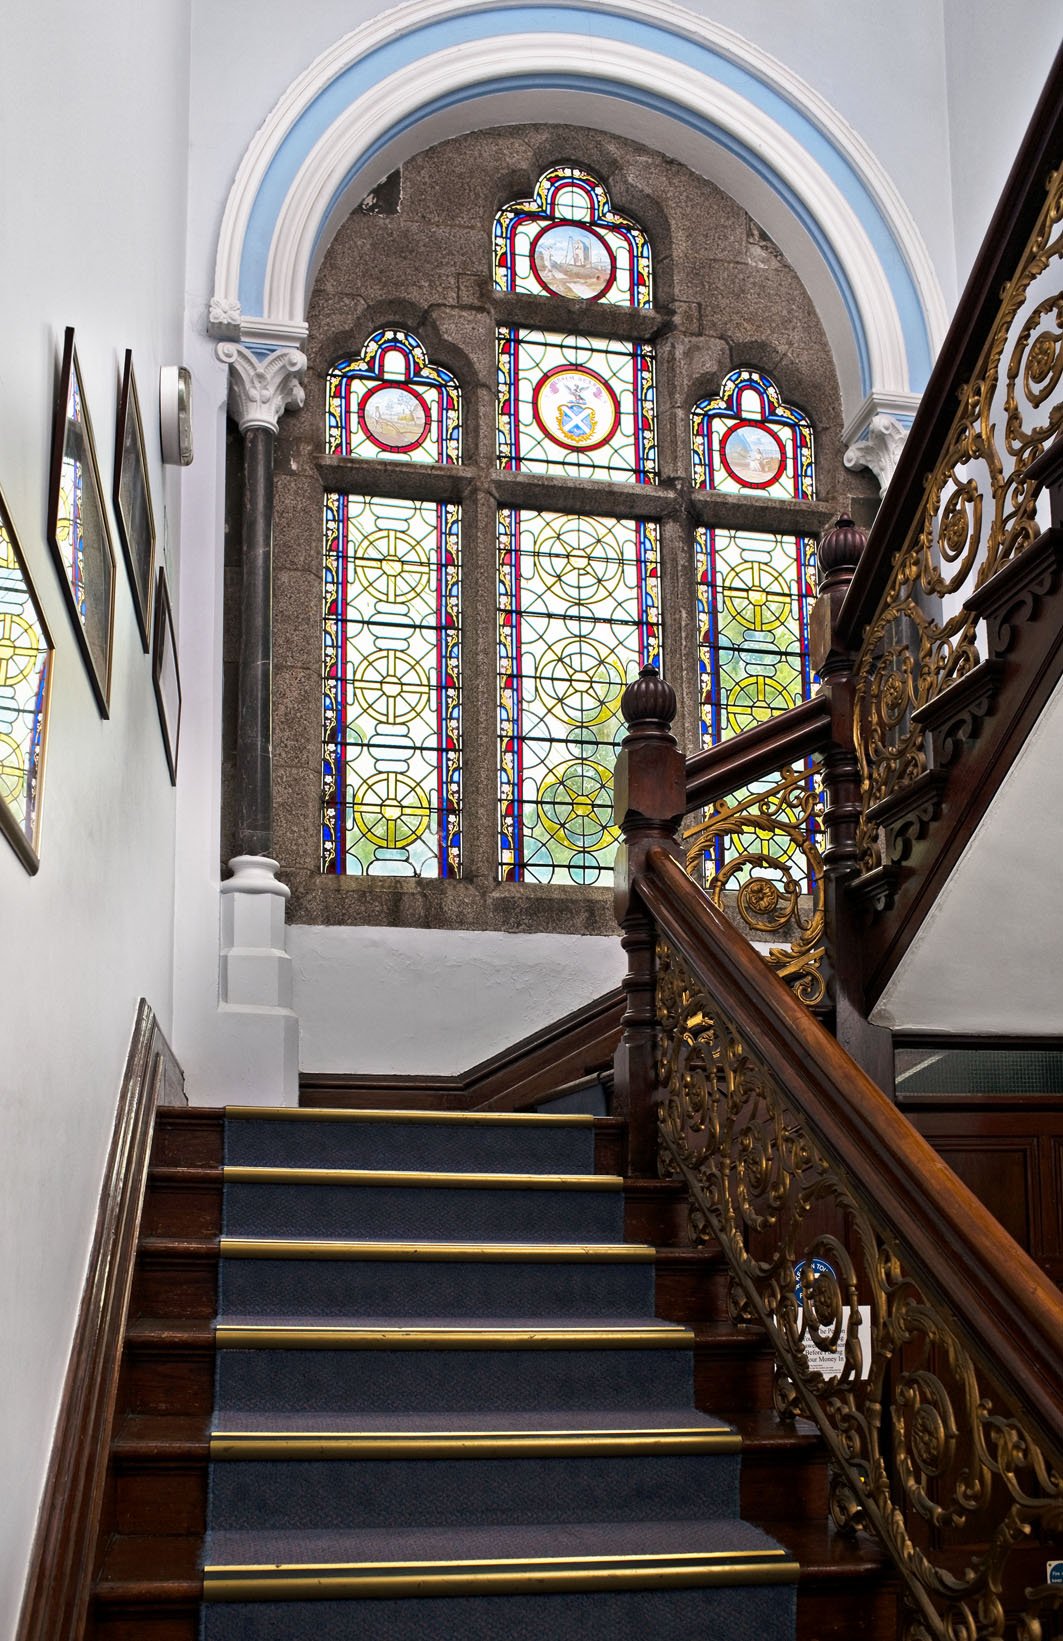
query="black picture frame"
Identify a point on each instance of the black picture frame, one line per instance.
(77, 514)
(166, 675)
(24, 835)
(131, 495)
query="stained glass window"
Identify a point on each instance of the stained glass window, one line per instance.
(568, 241)
(25, 682)
(582, 406)
(392, 402)
(746, 439)
(577, 619)
(392, 688)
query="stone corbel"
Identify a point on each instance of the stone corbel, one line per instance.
(262, 387)
(879, 449)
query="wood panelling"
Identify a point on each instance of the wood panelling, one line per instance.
(63, 1560)
(1008, 1150)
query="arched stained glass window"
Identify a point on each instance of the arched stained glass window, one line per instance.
(392, 402)
(745, 439)
(578, 609)
(568, 241)
(391, 650)
(754, 588)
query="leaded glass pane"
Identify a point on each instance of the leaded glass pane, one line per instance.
(747, 439)
(577, 619)
(568, 241)
(392, 402)
(25, 678)
(754, 592)
(583, 406)
(392, 709)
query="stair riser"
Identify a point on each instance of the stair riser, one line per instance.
(159, 1380)
(656, 1214)
(332, 1287)
(157, 1622)
(161, 1499)
(756, 1614)
(780, 1486)
(412, 1213)
(188, 1139)
(691, 1296)
(739, 1379)
(173, 1288)
(426, 1381)
(260, 1496)
(450, 1147)
(180, 1210)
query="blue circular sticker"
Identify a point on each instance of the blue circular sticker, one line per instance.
(819, 1268)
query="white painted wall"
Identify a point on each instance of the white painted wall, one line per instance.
(969, 972)
(428, 1000)
(93, 144)
(997, 57)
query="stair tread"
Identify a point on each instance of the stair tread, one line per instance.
(452, 1323)
(234, 1547)
(552, 1420)
(821, 1551)
(385, 1114)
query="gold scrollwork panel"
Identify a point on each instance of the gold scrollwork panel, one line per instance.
(979, 511)
(756, 857)
(924, 1449)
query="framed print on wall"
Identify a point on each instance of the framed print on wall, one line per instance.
(78, 532)
(132, 499)
(26, 655)
(166, 676)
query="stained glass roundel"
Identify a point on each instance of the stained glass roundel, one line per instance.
(576, 408)
(394, 418)
(570, 259)
(752, 455)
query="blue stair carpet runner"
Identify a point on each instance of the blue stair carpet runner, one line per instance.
(444, 1406)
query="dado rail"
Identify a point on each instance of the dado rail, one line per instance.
(920, 1338)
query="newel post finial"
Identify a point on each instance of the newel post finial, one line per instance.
(649, 804)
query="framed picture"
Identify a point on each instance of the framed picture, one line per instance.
(132, 500)
(78, 532)
(26, 655)
(165, 675)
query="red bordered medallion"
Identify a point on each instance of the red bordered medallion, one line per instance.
(394, 416)
(575, 407)
(571, 259)
(752, 454)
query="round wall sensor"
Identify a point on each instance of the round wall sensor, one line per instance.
(175, 414)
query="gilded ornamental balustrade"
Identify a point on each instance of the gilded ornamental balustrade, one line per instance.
(925, 1450)
(929, 663)
(757, 857)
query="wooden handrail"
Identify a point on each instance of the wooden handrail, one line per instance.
(976, 314)
(788, 738)
(1007, 1310)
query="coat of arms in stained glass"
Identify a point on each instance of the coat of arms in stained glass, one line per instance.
(568, 241)
(25, 683)
(583, 406)
(392, 401)
(577, 619)
(746, 439)
(392, 688)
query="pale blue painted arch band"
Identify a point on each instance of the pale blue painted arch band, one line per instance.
(464, 28)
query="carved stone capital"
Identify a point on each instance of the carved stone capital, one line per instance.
(261, 389)
(879, 449)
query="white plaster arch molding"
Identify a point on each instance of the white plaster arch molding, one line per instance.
(691, 88)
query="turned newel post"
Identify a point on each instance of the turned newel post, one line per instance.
(837, 557)
(649, 804)
(261, 389)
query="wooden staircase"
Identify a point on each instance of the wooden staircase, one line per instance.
(148, 1583)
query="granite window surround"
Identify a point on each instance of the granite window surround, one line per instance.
(417, 254)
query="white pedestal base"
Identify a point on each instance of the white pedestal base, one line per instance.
(259, 1027)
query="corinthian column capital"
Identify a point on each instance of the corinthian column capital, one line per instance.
(262, 387)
